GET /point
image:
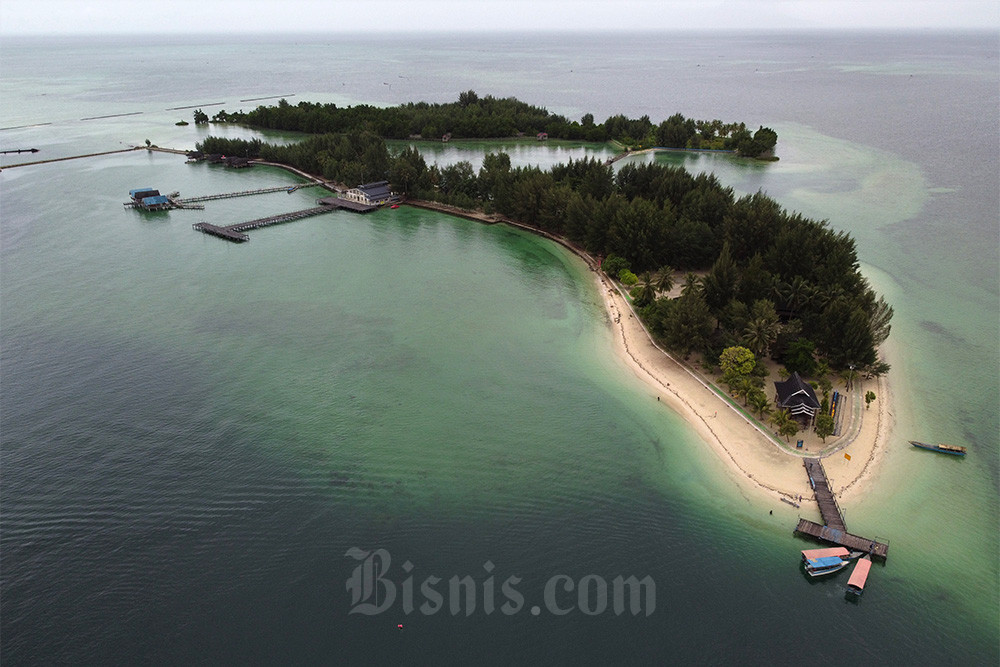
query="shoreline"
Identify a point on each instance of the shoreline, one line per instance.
(753, 458)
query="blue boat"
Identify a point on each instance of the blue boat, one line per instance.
(818, 567)
(954, 450)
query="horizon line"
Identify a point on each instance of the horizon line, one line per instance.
(510, 30)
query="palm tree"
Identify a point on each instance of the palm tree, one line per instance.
(743, 388)
(760, 403)
(786, 425)
(691, 285)
(760, 335)
(665, 282)
(798, 293)
(781, 419)
(849, 376)
(647, 290)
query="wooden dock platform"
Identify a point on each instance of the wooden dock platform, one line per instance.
(835, 530)
(221, 232)
(236, 233)
(843, 538)
(340, 202)
(828, 507)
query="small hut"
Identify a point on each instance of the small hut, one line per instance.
(798, 397)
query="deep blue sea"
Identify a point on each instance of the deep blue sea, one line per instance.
(213, 453)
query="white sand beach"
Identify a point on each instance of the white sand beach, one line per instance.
(755, 459)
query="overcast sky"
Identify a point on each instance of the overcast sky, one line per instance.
(212, 16)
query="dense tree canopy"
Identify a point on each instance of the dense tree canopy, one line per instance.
(491, 117)
(773, 281)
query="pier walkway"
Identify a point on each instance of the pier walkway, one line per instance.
(828, 507)
(236, 233)
(835, 530)
(843, 539)
(244, 193)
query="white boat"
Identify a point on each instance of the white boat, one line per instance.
(820, 567)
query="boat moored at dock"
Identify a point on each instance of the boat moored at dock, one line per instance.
(840, 552)
(856, 584)
(820, 567)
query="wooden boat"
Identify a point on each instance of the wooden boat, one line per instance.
(856, 584)
(944, 449)
(808, 554)
(820, 567)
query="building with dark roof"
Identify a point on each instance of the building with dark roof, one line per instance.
(798, 397)
(372, 194)
(150, 199)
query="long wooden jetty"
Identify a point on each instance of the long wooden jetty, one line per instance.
(828, 507)
(237, 232)
(835, 530)
(244, 193)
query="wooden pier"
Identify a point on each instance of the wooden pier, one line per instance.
(842, 538)
(236, 233)
(835, 530)
(244, 193)
(828, 507)
(221, 232)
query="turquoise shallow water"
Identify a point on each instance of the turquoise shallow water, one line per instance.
(194, 433)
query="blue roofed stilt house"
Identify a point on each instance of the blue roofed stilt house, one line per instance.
(798, 397)
(149, 199)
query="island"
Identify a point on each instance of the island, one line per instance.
(704, 289)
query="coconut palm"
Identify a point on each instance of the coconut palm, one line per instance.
(781, 419)
(760, 403)
(665, 282)
(760, 334)
(743, 387)
(798, 293)
(647, 290)
(849, 376)
(691, 285)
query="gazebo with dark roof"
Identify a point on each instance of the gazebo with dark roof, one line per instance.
(796, 396)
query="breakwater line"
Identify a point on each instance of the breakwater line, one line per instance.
(269, 97)
(24, 127)
(72, 157)
(195, 106)
(114, 115)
